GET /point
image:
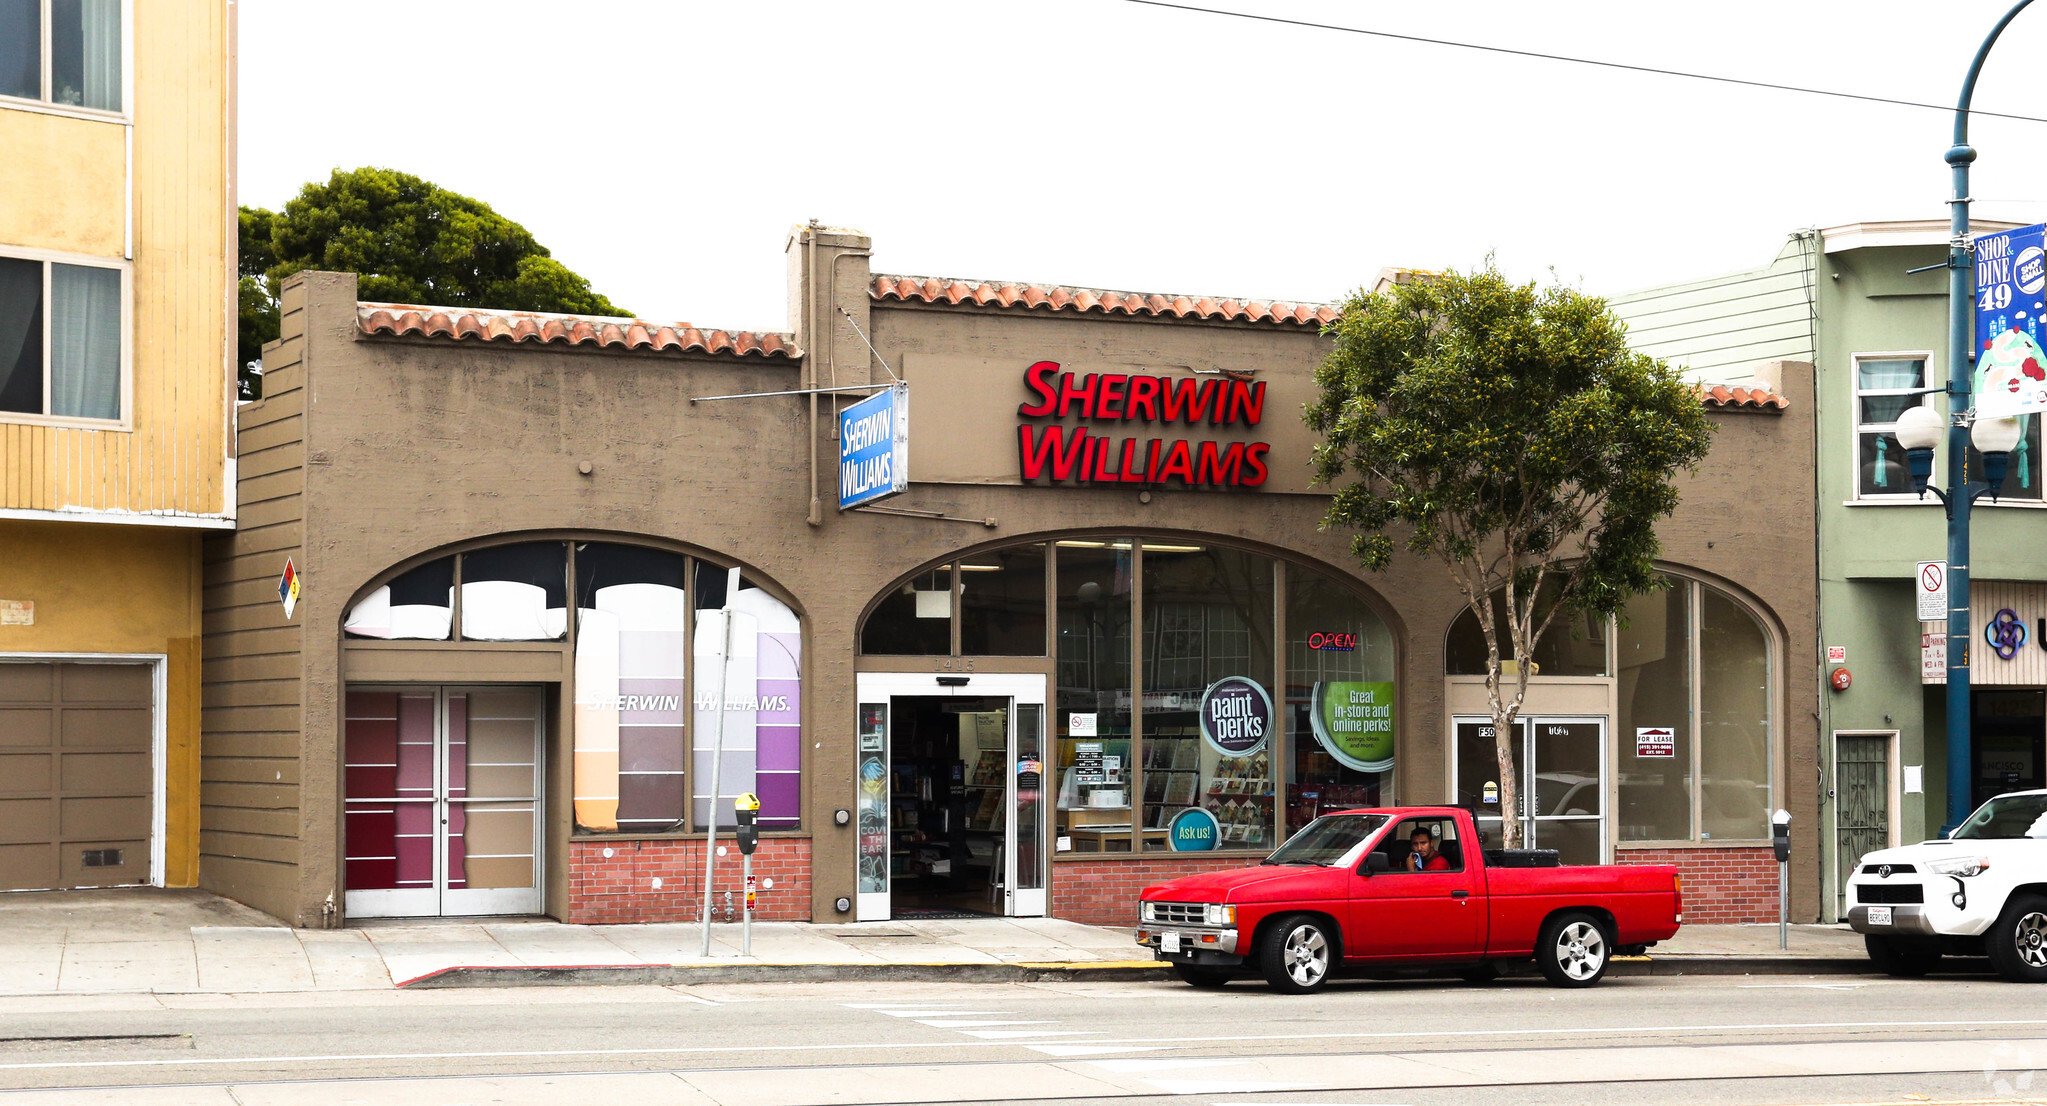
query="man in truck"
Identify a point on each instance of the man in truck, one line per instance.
(1424, 857)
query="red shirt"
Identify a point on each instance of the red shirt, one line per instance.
(1436, 863)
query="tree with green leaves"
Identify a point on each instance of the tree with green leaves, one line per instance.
(1509, 433)
(409, 241)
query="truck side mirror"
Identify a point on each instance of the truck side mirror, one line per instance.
(1376, 862)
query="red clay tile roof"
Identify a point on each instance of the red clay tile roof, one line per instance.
(1084, 300)
(402, 320)
(1753, 399)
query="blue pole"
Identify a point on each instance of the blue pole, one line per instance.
(1961, 371)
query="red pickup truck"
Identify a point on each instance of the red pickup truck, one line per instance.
(1401, 888)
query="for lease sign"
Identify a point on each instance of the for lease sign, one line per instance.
(1656, 741)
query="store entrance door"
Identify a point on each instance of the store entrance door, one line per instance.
(2008, 728)
(1560, 764)
(951, 807)
(443, 801)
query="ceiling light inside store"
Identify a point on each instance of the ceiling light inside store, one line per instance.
(980, 568)
(1075, 544)
(1153, 547)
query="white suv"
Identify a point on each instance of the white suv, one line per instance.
(1981, 890)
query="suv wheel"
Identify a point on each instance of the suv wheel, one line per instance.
(1296, 954)
(1900, 957)
(2018, 942)
(1573, 950)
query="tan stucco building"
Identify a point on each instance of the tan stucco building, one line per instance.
(116, 341)
(559, 581)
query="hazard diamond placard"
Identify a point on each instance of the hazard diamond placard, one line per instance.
(288, 588)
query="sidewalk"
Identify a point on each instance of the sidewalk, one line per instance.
(149, 940)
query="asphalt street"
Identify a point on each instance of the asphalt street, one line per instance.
(1721, 1040)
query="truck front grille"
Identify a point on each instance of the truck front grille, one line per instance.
(1886, 894)
(1180, 913)
(1895, 869)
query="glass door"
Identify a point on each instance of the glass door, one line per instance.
(1010, 772)
(442, 800)
(1566, 788)
(1560, 764)
(1024, 842)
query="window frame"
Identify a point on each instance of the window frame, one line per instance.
(45, 102)
(1857, 428)
(125, 421)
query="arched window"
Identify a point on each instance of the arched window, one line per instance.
(656, 633)
(1690, 659)
(1141, 631)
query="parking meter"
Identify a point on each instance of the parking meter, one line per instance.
(746, 810)
(1780, 841)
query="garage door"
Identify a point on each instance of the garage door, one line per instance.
(76, 776)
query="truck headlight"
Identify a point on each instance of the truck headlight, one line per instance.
(1216, 914)
(1961, 866)
(1147, 912)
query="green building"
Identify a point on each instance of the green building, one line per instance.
(1845, 299)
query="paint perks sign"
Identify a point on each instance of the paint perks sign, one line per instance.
(1236, 716)
(1193, 830)
(874, 448)
(1353, 722)
(1062, 454)
(1656, 741)
(2011, 292)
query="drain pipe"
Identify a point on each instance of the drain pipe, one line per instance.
(816, 516)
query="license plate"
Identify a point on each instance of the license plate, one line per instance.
(1879, 915)
(1170, 942)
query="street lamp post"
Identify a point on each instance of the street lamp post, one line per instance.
(1959, 497)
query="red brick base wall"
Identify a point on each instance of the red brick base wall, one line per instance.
(1721, 886)
(621, 888)
(1104, 892)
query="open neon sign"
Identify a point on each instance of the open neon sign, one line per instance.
(1342, 643)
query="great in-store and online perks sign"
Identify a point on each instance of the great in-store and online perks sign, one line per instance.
(2011, 293)
(874, 448)
(1353, 722)
(1236, 716)
(1121, 412)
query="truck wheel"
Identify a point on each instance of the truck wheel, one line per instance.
(1295, 954)
(1904, 959)
(1207, 979)
(2018, 942)
(1573, 950)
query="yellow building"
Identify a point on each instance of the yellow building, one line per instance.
(117, 237)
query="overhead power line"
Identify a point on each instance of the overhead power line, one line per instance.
(1651, 69)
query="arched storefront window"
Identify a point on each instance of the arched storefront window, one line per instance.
(651, 649)
(1185, 673)
(1694, 715)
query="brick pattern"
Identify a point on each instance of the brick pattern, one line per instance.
(620, 888)
(1104, 892)
(1722, 886)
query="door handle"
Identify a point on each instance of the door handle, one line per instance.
(1459, 894)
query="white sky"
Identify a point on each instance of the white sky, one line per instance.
(663, 149)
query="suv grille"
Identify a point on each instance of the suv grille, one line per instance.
(1896, 869)
(1883, 894)
(1180, 913)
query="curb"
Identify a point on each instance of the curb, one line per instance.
(1741, 965)
(585, 975)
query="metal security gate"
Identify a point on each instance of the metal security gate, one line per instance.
(1862, 804)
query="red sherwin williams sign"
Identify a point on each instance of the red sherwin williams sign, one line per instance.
(1083, 455)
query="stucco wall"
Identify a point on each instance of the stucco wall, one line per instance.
(414, 445)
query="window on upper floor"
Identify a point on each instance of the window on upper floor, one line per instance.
(62, 328)
(1884, 389)
(64, 52)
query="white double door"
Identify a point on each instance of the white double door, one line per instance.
(1019, 807)
(1560, 765)
(442, 800)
